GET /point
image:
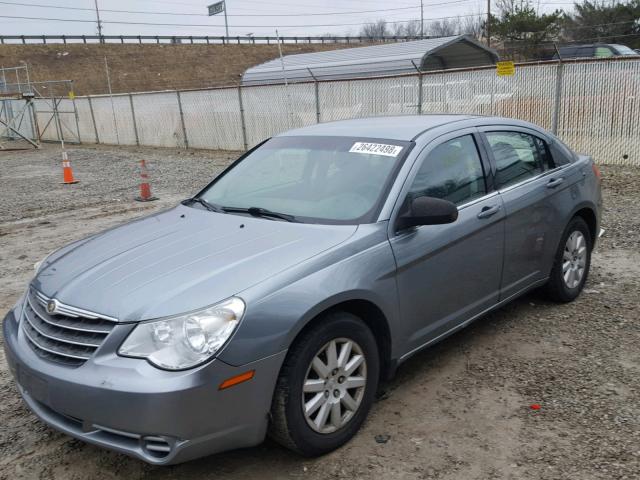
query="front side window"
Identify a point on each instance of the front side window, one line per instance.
(451, 171)
(316, 179)
(585, 52)
(568, 52)
(516, 155)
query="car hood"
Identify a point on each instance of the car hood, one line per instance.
(178, 261)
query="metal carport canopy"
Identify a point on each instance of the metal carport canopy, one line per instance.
(458, 51)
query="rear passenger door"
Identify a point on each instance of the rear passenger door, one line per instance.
(447, 274)
(527, 181)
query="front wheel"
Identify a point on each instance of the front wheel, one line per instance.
(572, 262)
(326, 386)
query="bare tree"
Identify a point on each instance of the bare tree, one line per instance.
(443, 28)
(406, 29)
(473, 26)
(375, 30)
(510, 6)
(412, 28)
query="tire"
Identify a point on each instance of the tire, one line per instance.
(290, 426)
(559, 288)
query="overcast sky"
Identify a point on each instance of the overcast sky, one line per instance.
(291, 17)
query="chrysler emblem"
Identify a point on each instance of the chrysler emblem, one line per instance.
(51, 306)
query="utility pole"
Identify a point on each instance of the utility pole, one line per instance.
(98, 19)
(226, 25)
(488, 23)
(421, 18)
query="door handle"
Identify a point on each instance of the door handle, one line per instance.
(554, 182)
(488, 211)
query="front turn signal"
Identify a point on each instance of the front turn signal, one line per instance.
(233, 381)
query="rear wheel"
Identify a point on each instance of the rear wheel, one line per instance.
(326, 386)
(572, 262)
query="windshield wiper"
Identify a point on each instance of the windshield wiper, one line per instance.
(261, 212)
(209, 206)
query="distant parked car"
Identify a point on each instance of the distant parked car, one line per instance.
(277, 298)
(596, 50)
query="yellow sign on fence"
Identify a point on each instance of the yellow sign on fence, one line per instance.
(72, 95)
(505, 68)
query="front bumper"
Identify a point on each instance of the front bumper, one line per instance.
(127, 405)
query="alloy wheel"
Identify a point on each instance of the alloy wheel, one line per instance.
(334, 385)
(574, 259)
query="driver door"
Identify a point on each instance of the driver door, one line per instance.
(448, 274)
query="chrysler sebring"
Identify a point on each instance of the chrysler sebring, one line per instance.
(278, 298)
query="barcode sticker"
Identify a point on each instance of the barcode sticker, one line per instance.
(376, 149)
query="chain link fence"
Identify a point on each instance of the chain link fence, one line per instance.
(594, 106)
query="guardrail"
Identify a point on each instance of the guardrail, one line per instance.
(191, 39)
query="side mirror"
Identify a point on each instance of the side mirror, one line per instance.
(427, 211)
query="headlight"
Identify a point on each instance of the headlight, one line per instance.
(184, 341)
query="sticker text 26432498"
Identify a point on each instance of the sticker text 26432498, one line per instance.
(376, 149)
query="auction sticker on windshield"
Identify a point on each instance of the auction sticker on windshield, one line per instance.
(376, 149)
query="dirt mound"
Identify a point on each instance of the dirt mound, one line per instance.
(147, 67)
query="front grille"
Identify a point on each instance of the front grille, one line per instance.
(69, 338)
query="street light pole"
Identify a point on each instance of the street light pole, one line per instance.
(98, 19)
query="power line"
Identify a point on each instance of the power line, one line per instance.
(237, 26)
(59, 7)
(268, 26)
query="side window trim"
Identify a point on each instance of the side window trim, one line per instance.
(544, 150)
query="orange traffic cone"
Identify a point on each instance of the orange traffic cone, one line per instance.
(145, 189)
(67, 171)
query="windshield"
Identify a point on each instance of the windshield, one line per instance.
(316, 179)
(624, 50)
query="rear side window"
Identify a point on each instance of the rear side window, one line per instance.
(452, 171)
(516, 155)
(603, 52)
(561, 153)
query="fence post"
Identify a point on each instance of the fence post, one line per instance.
(419, 87)
(56, 118)
(36, 125)
(493, 93)
(184, 128)
(133, 116)
(242, 120)
(557, 103)
(317, 93)
(75, 110)
(93, 119)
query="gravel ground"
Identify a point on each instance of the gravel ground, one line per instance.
(460, 410)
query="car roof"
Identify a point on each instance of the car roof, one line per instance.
(401, 127)
(580, 45)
